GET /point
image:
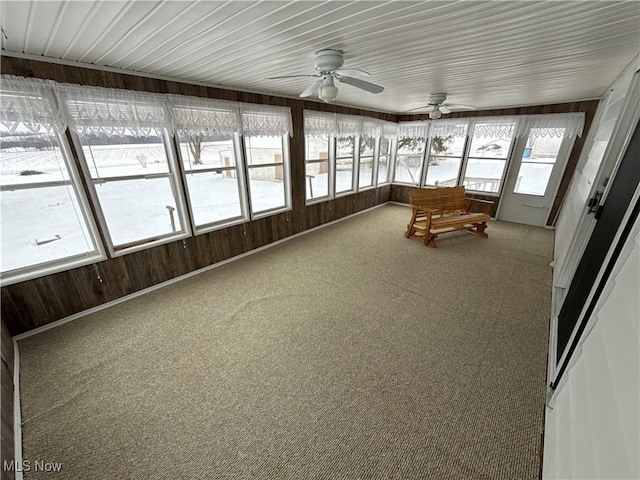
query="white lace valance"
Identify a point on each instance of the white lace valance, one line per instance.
(495, 127)
(413, 129)
(193, 115)
(336, 124)
(96, 110)
(266, 120)
(389, 129)
(29, 102)
(454, 128)
(551, 125)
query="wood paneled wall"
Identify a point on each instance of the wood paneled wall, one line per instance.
(6, 379)
(37, 302)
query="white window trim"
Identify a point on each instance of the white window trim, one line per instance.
(286, 170)
(55, 266)
(242, 191)
(175, 185)
(324, 198)
(355, 163)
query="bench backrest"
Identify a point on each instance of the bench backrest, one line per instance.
(446, 199)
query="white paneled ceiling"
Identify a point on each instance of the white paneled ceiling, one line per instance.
(490, 54)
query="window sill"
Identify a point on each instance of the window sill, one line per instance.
(115, 252)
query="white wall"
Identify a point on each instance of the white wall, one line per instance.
(593, 421)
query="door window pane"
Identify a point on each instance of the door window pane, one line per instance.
(410, 153)
(537, 162)
(345, 146)
(317, 166)
(484, 175)
(365, 177)
(268, 179)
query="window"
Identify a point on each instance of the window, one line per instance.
(537, 163)
(129, 166)
(345, 160)
(409, 157)
(488, 153)
(317, 166)
(268, 172)
(384, 159)
(214, 177)
(46, 225)
(366, 162)
(446, 150)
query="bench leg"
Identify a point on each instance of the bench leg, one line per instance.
(481, 228)
(430, 240)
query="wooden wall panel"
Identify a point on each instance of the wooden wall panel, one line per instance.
(27, 305)
(6, 400)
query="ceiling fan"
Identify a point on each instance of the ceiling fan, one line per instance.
(436, 106)
(327, 63)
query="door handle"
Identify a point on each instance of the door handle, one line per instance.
(533, 206)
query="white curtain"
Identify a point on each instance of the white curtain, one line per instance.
(417, 129)
(336, 124)
(265, 120)
(456, 128)
(194, 115)
(96, 110)
(551, 125)
(495, 127)
(30, 102)
(389, 129)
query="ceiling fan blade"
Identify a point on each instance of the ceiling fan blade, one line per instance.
(352, 72)
(444, 109)
(312, 90)
(426, 108)
(292, 76)
(356, 82)
(459, 106)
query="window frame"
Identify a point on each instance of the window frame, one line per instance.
(330, 170)
(420, 168)
(68, 263)
(241, 181)
(174, 182)
(355, 164)
(390, 160)
(374, 164)
(286, 177)
(465, 160)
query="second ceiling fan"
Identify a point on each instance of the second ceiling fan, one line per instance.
(437, 106)
(328, 63)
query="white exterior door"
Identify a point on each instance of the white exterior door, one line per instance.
(538, 163)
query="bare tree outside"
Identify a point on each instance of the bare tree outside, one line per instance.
(195, 147)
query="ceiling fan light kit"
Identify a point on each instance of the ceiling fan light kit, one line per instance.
(328, 62)
(436, 106)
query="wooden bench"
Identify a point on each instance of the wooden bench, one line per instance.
(440, 210)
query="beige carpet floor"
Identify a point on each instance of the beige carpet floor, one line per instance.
(348, 353)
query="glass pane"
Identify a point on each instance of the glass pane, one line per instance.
(263, 150)
(540, 149)
(317, 147)
(408, 168)
(119, 156)
(383, 169)
(490, 147)
(412, 146)
(267, 188)
(533, 178)
(484, 175)
(366, 172)
(443, 171)
(207, 151)
(214, 196)
(317, 179)
(138, 209)
(40, 225)
(29, 158)
(344, 163)
(450, 146)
